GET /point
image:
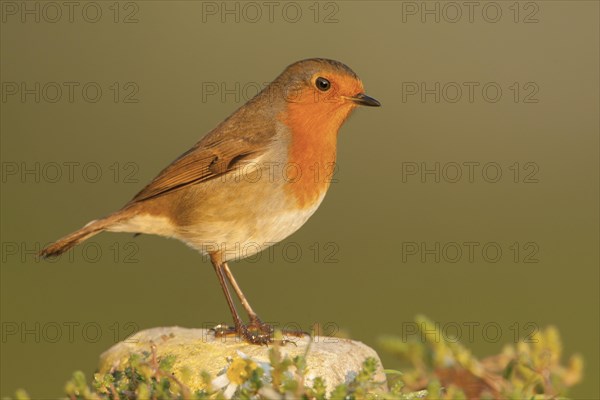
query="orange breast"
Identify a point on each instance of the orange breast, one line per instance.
(314, 127)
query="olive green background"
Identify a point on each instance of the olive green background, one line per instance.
(170, 53)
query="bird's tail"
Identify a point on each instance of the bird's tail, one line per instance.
(91, 229)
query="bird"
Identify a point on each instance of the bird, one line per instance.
(249, 183)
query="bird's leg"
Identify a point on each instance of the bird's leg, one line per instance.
(256, 324)
(220, 330)
(253, 333)
(256, 328)
(254, 319)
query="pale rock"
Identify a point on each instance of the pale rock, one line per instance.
(335, 360)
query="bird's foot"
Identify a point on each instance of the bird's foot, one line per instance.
(256, 332)
(261, 334)
(223, 330)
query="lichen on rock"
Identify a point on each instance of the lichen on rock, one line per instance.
(193, 355)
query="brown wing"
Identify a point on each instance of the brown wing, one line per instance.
(202, 162)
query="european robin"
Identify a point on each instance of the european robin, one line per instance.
(249, 183)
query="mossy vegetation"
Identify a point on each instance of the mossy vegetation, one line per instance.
(440, 368)
(529, 369)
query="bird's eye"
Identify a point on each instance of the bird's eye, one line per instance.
(322, 84)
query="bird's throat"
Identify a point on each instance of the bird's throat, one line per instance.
(312, 153)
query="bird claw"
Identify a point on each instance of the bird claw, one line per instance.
(256, 332)
(223, 330)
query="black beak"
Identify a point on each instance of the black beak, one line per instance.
(365, 100)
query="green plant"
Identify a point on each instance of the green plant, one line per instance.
(440, 368)
(529, 369)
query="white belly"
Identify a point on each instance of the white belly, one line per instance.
(239, 241)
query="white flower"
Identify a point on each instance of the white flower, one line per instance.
(264, 365)
(236, 374)
(222, 381)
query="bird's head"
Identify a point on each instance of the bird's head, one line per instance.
(320, 94)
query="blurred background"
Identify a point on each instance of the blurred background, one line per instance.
(471, 196)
